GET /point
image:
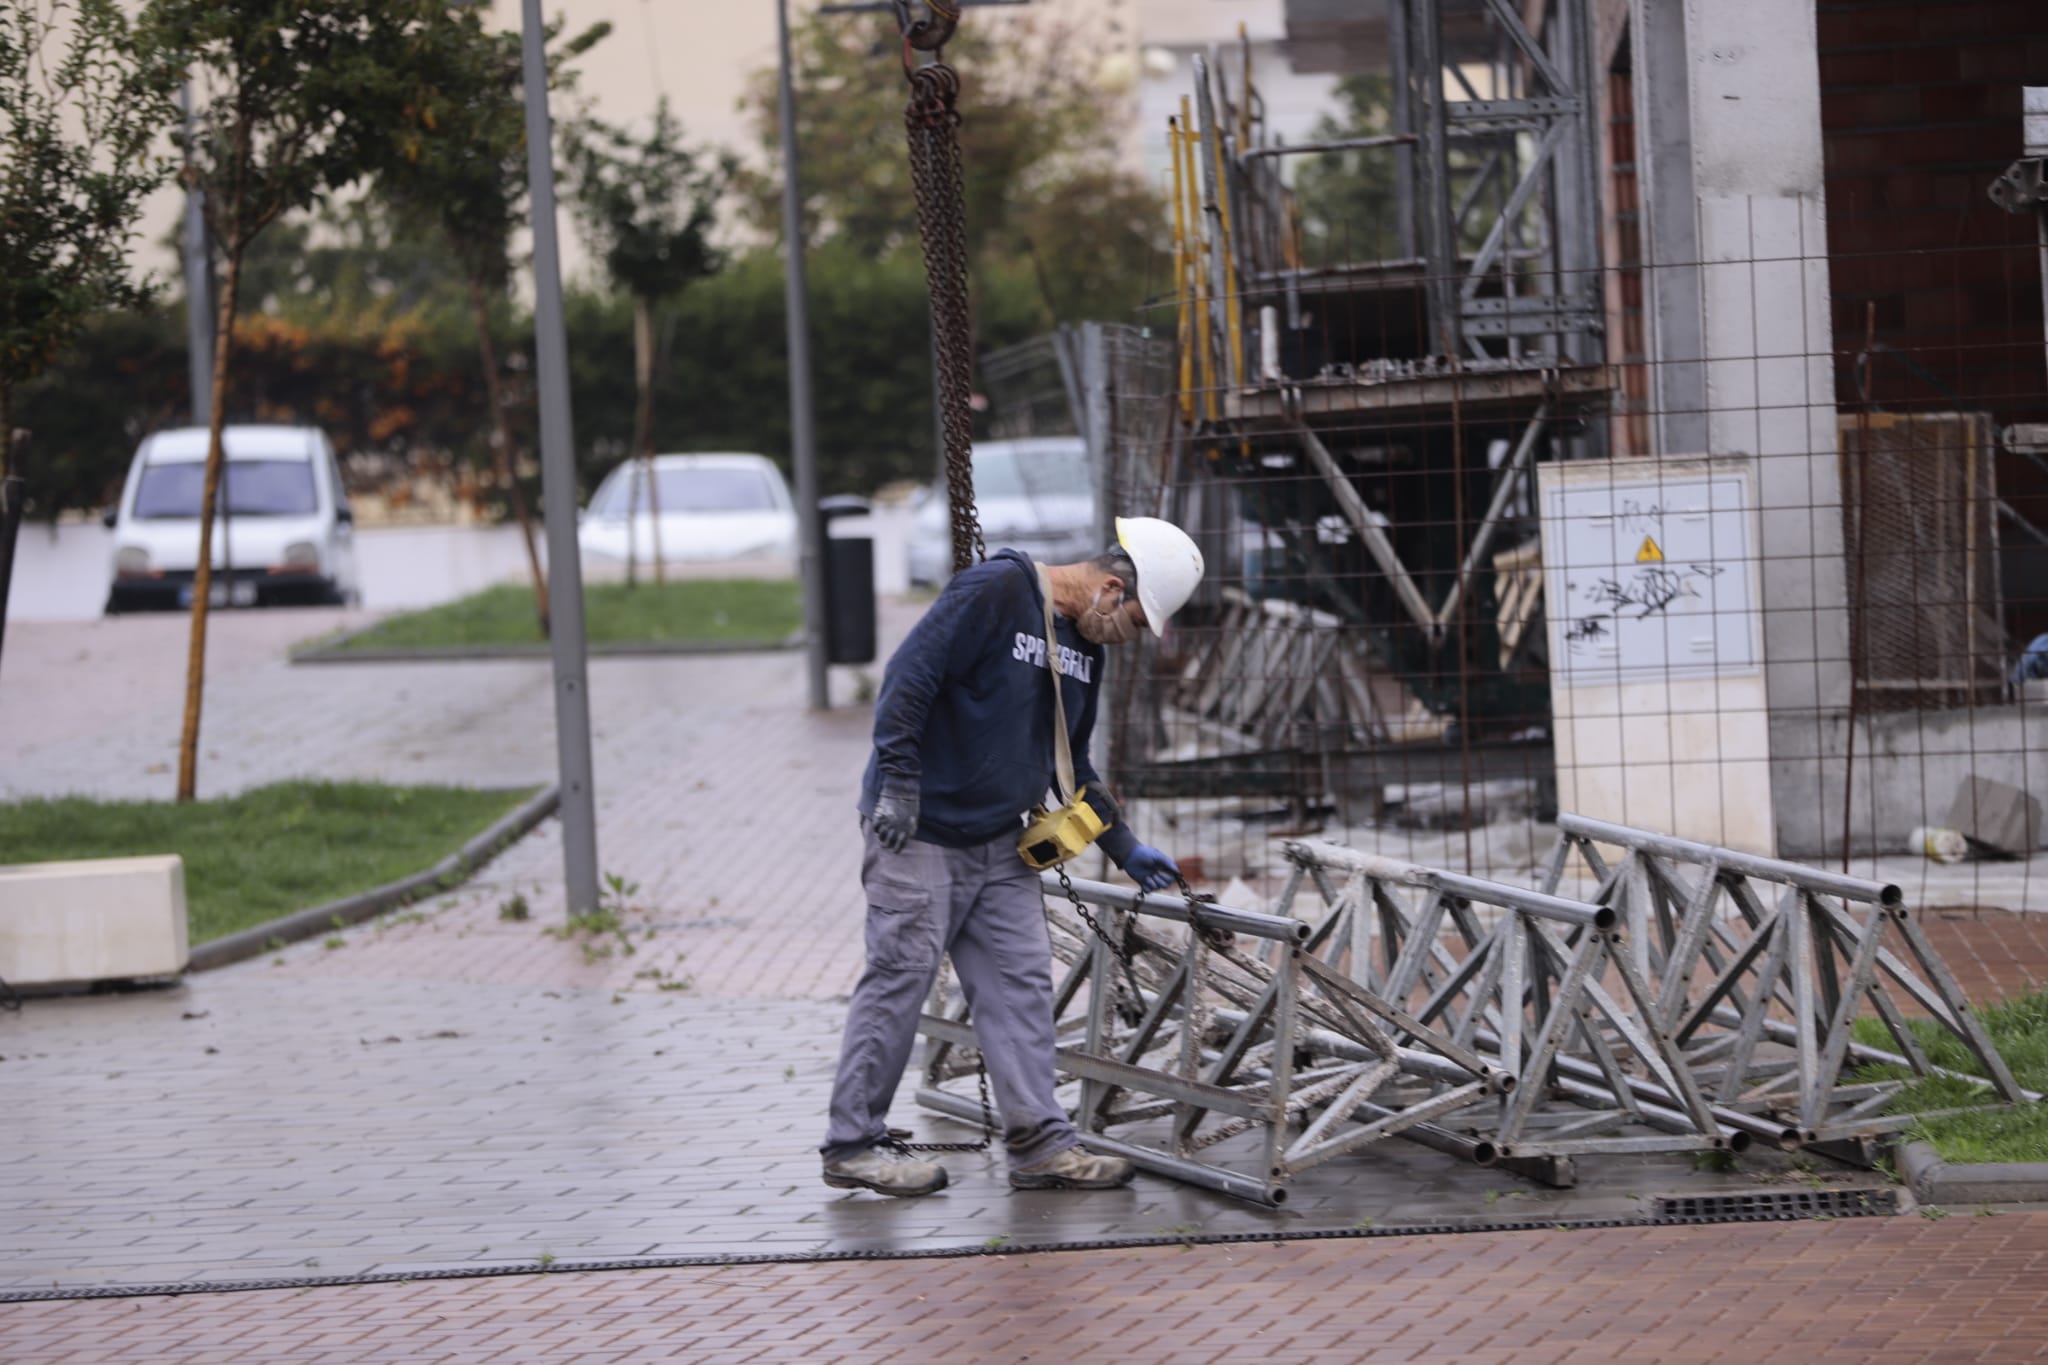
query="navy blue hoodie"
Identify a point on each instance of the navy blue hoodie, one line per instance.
(966, 713)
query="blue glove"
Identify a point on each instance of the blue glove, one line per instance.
(1151, 869)
(895, 815)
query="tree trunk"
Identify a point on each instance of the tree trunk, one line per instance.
(6, 429)
(501, 448)
(202, 578)
(643, 417)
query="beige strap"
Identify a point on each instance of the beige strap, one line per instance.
(1063, 753)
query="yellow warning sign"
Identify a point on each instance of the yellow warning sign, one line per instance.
(1649, 554)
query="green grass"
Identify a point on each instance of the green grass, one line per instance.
(696, 610)
(268, 852)
(2019, 1029)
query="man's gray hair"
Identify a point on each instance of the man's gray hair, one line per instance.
(1117, 560)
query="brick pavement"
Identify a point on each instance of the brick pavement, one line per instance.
(266, 1123)
(451, 1088)
(1879, 1291)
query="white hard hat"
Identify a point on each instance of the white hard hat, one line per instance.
(1169, 565)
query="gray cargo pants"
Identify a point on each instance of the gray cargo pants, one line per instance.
(983, 907)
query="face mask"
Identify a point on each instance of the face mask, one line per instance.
(1112, 627)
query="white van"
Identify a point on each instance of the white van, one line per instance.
(283, 533)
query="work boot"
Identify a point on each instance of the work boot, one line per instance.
(1073, 1169)
(884, 1174)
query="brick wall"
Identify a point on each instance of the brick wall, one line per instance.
(1920, 110)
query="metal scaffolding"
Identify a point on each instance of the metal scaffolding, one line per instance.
(1356, 438)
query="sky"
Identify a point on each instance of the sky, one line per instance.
(700, 52)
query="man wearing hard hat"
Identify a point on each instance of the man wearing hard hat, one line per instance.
(989, 703)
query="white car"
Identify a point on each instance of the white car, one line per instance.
(283, 533)
(1034, 495)
(713, 507)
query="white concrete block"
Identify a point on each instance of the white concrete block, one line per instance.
(106, 919)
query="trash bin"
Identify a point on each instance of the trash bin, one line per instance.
(849, 583)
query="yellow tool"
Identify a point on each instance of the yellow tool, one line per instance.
(1054, 836)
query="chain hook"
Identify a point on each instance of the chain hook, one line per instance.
(930, 34)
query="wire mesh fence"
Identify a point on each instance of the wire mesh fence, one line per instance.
(1516, 499)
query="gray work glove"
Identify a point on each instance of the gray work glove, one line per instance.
(895, 814)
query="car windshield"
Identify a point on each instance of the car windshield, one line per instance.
(1037, 472)
(712, 489)
(254, 488)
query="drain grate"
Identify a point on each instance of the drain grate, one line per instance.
(1749, 1205)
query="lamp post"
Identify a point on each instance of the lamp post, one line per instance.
(578, 808)
(802, 431)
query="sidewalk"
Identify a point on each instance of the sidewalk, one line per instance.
(448, 1089)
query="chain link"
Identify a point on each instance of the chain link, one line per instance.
(898, 1139)
(1134, 1007)
(932, 120)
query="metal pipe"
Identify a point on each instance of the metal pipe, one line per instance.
(1478, 1151)
(1510, 480)
(1369, 531)
(1345, 270)
(1780, 1135)
(1785, 1034)
(578, 808)
(1209, 168)
(1404, 126)
(1341, 145)
(1326, 1042)
(1378, 868)
(1612, 1146)
(1276, 927)
(1271, 1193)
(1655, 1115)
(1201, 251)
(1729, 860)
(1268, 1192)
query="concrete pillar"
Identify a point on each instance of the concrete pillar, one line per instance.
(1741, 159)
(1671, 276)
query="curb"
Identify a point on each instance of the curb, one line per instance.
(1935, 1181)
(320, 919)
(334, 652)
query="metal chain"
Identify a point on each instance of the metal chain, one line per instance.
(1122, 948)
(932, 120)
(1215, 934)
(898, 1139)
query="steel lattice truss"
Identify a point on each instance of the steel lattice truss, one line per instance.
(1762, 968)
(1235, 1049)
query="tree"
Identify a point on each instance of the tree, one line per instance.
(76, 130)
(291, 101)
(649, 205)
(457, 164)
(1347, 198)
(1038, 145)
